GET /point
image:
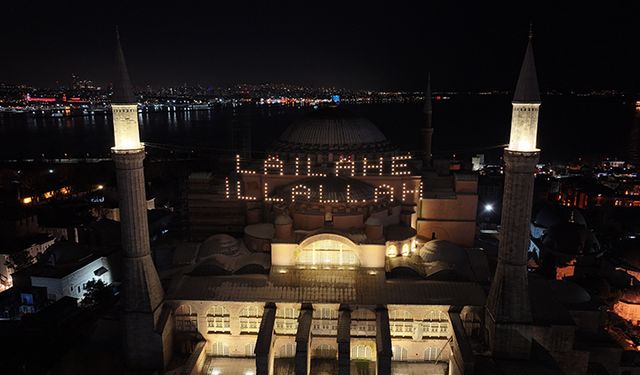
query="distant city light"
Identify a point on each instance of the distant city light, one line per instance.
(100, 187)
(488, 207)
(27, 200)
(50, 170)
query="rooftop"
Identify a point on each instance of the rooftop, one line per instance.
(359, 286)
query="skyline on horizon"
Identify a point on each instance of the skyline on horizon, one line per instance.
(371, 46)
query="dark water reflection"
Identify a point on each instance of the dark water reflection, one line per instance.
(569, 127)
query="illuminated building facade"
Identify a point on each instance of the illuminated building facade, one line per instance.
(347, 259)
(350, 259)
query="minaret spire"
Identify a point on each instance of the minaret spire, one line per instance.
(527, 90)
(122, 88)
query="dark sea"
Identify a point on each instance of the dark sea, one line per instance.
(570, 127)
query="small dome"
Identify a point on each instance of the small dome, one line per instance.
(571, 239)
(254, 263)
(263, 231)
(631, 254)
(442, 250)
(209, 268)
(373, 221)
(283, 220)
(219, 244)
(398, 232)
(332, 129)
(569, 292)
(405, 268)
(445, 261)
(631, 296)
(551, 215)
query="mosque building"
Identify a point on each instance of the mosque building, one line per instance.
(355, 257)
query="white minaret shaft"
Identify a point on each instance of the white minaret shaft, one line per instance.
(509, 315)
(142, 293)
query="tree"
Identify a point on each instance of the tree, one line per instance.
(96, 294)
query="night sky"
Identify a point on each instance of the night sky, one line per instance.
(369, 44)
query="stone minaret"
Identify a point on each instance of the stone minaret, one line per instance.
(508, 315)
(142, 293)
(427, 130)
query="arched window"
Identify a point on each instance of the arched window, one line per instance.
(392, 251)
(431, 354)
(363, 314)
(249, 350)
(325, 313)
(363, 323)
(361, 352)
(250, 317)
(399, 353)
(401, 323)
(327, 251)
(406, 250)
(436, 315)
(287, 320)
(186, 319)
(400, 315)
(220, 349)
(287, 351)
(287, 313)
(325, 321)
(218, 319)
(251, 312)
(325, 351)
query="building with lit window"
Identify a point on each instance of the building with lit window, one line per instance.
(351, 256)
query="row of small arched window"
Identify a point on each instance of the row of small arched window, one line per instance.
(220, 311)
(363, 352)
(218, 316)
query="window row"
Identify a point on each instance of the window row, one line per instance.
(218, 310)
(430, 315)
(361, 352)
(400, 353)
(286, 326)
(219, 349)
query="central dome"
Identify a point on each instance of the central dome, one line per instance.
(332, 129)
